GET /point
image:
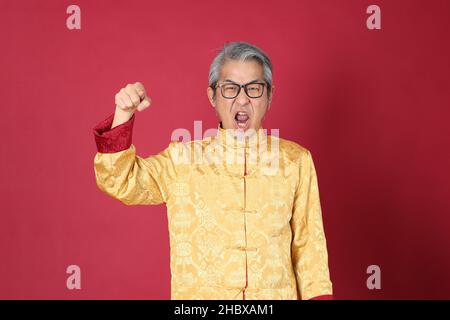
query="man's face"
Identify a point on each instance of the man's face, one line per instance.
(241, 112)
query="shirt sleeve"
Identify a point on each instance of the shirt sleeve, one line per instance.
(309, 250)
(116, 139)
(125, 176)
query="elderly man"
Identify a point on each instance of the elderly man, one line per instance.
(247, 225)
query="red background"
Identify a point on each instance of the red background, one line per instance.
(371, 105)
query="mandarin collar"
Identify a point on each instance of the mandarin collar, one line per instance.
(252, 138)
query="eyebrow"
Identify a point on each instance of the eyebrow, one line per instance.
(256, 80)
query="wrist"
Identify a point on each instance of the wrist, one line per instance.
(120, 117)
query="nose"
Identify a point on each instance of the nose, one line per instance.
(242, 97)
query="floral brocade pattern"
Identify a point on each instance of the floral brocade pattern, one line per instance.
(236, 230)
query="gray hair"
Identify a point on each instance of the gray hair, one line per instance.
(241, 51)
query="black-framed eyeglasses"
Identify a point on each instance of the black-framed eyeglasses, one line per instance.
(231, 90)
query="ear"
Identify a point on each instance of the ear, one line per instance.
(272, 89)
(210, 94)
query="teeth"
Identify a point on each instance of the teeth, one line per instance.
(241, 114)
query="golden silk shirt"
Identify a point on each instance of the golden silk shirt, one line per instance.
(244, 215)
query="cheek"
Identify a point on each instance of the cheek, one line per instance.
(223, 110)
(260, 111)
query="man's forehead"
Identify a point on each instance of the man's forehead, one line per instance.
(241, 71)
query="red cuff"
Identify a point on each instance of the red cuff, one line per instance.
(323, 297)
(113, 140)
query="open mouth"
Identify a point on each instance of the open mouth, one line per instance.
(242, 120)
